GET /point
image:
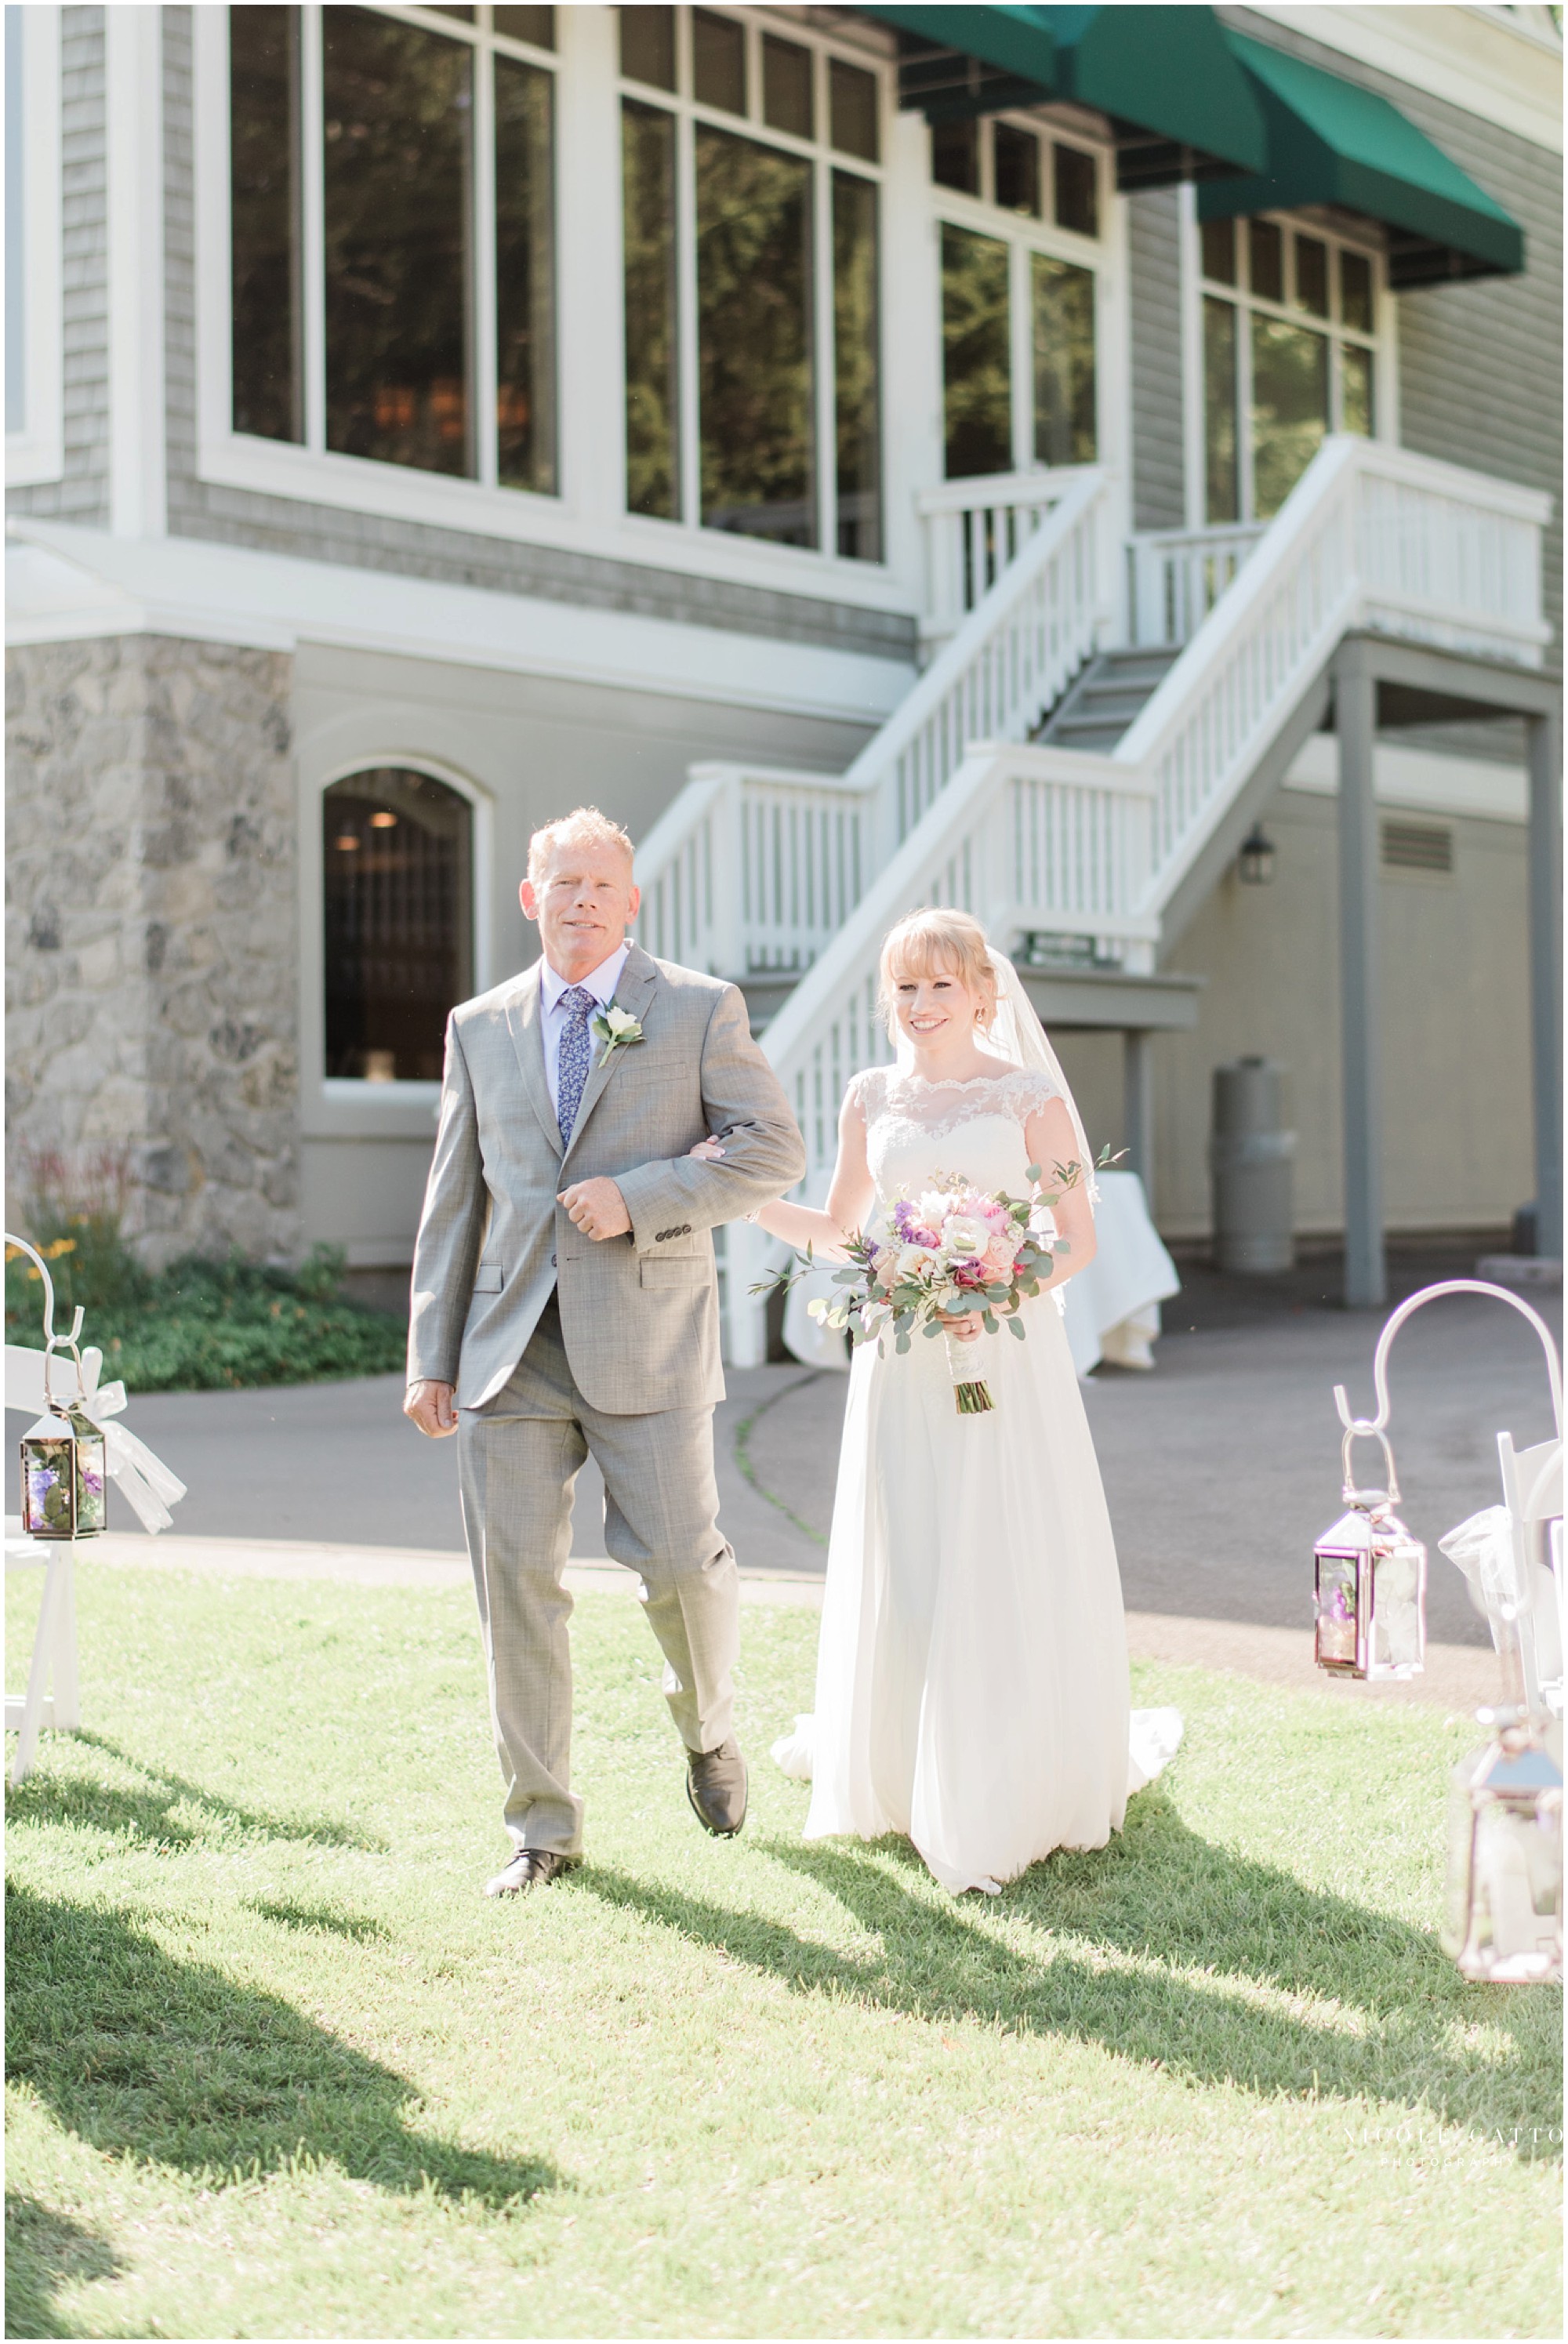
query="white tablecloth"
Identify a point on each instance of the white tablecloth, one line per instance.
(1112, 1306)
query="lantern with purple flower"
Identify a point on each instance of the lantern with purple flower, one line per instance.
(1370, 1584)
(65, 1467)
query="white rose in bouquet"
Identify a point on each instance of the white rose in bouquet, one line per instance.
(963, 1237)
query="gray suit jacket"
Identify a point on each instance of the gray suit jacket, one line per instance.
(639, 1312)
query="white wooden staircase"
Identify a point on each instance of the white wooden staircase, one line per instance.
(1097, 718)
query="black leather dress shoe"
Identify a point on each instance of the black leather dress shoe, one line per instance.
(531, 1867)
(716, 1787)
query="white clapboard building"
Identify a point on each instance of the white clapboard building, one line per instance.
(1097, 466)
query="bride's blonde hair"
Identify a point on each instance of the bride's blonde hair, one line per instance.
(932, 942)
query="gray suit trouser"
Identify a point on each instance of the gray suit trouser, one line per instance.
(519, 1458)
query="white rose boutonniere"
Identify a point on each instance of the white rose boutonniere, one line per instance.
(616, 1028)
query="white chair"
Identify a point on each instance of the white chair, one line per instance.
(1532, 1493)
(55, 1643)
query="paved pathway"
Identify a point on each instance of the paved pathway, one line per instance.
(1220, 1469)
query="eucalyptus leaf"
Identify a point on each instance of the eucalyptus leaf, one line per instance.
(1016, 1327)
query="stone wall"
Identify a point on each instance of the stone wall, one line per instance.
(151, 933)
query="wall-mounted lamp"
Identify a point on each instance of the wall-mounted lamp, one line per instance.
(1255, 863)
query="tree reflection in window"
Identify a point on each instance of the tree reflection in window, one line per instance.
(1064, 362)
(753, 337)
(1289, 409)
(399, 112)
(525, 275)
(976, 356)
(397, 922)
(856, 328)
(648, 206)
(264, 210)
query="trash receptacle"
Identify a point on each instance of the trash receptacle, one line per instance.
(1249, 1156)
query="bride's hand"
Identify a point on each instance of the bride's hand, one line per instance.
(967, 1329)
(708, 1150)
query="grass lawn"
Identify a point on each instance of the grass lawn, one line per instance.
(277, 2069)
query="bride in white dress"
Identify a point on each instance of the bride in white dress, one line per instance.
(972, 1680)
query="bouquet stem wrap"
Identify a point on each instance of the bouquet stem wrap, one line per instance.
(971, 1393)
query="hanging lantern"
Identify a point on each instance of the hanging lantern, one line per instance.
(65, 1467)
(1370, 1584)
(1505, 1855)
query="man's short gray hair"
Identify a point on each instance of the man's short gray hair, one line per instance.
(584, 826)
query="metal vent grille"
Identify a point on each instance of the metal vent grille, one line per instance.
(1418, 846)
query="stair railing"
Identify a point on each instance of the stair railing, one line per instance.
(1023, 835)
(1178, 575)
(970, 531)
(1010, 661)
(1054, 838)
(1371, 536)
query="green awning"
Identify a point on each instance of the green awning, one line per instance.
(1170, 73)
(1333, 143)
(1180, 106)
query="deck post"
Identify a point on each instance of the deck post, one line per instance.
(1138, 1105)
(1355, 721)
(1545, 859)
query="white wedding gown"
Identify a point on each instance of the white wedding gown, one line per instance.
(972, 1682)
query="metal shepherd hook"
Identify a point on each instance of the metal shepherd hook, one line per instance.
(1376, 1426)
(52, 1343)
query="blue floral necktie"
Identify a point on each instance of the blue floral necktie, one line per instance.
(576, 1057)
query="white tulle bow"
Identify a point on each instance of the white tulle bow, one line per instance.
(1483, 1548)
(145, 1480)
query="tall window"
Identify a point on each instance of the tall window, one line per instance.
(397, 922)
(35, 348)
(1019, 247)
(410, 169)
(1290, 353)
(750, 196)
(15, 227)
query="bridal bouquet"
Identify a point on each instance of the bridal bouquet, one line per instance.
(951, 1249)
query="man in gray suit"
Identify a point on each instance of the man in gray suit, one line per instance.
(565, 1304)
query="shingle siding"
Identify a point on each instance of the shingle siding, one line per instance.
(1154, 266)
(1480, 364)
(376, 541)
(81, 493)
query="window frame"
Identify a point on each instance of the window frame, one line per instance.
(214, 256)
(1381, 341)
(587, 514)
(339, 1105)
(1103, 255)
(824, 161)
(36, 452)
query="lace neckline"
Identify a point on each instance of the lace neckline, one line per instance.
(1005, 1068)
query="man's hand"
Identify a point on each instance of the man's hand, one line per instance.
(597, 1207)
(429, 1406)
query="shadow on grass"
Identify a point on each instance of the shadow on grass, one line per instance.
(174, 2064)
(150, 1810)
(324, 1920)
(1121, 1934)
(46, 2253)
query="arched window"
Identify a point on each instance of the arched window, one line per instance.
(398, 861)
